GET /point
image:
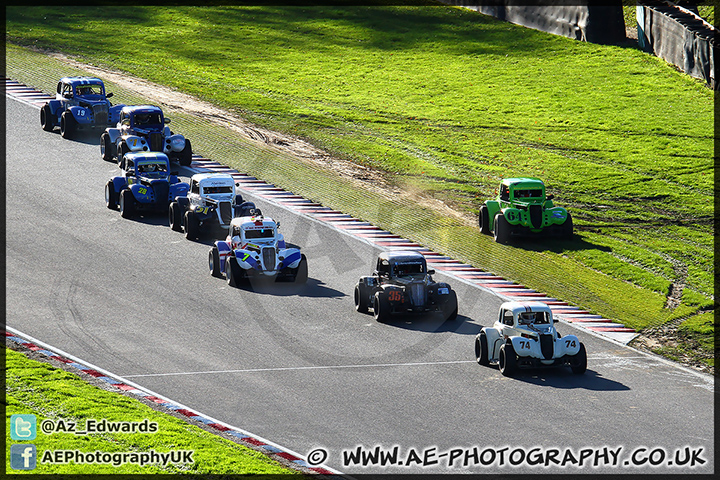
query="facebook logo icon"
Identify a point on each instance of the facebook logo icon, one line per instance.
(23, 457)
(23, 427)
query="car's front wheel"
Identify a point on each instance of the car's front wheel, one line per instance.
(578, 363)
(68, 125)
(450, 309)
(233, 272)
(381, 307)
(507, 360)
(301, 275)
(192, 225)
(127, 203)
(566, 228)
(186, 154)
(501, 230)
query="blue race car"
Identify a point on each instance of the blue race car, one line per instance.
(143, 128)
(147, 185)
(80, 104)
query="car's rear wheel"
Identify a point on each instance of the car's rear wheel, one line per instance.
(175, 217)
(381, 307)
(508, 360)
(111, 200)
(127, 203)
(361, 299)
(192, 225)
(567, 227)
(186, 154)
(106, 147)
(484, 220)
(501, 230)
(481, 349)
(46, 119)
(68, 125)
(578, 363)
(214, 261)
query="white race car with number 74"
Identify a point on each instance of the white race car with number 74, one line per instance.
(524, 336)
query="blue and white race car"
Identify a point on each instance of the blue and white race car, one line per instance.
(147, 185)
(143, 128)
(255, 249)
(80, 104)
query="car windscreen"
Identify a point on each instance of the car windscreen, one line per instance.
(408, 269)
(259, 233)
(528, 193)
(152, 167)
(147, 119)
(216, 190)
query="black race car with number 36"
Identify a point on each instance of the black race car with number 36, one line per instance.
(402, 283)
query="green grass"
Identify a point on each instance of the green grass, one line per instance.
(445, 102)
(47, 392)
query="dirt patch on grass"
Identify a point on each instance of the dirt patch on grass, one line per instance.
(668, 341)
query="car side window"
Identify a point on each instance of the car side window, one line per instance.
(504, 192)
(383, 269)
(195, 187)
(507, 317)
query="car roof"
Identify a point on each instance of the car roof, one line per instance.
(150, 156)
(518, 181)
(519, 307)
(82, 80)
(226, 178)
(265, 222)
(141, 109)
(401, 256)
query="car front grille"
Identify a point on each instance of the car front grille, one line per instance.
(536, 216)
(547, 346)
(268, 256)
(156, 142)
(162, 191)
(226, 213)
(417, 294)
(100, 114)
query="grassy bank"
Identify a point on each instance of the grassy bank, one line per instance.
(37, 388)
(445, 102)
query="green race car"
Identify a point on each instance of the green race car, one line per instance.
(521, 209)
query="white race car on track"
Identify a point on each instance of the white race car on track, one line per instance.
(524, 336)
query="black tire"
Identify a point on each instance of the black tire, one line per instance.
(185, 158)
(214, 262)
(507, 360)
(111, 196)
(122, 149)
(46, 119)
(481, 350)
(578, 363)
(381, 307)
(68, 125)
(192, 226)
(361, 299)
(233, 272)
(484, 220)
(127, 203)
(106, 147)
(501, 230)
(566, 228)
(175, 217)
(450, 309)
(301, 275)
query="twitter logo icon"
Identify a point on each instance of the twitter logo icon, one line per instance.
(23, 427)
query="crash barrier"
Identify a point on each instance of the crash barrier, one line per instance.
(602, 24)
(679, 36)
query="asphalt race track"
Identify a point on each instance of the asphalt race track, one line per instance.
(297, 365)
